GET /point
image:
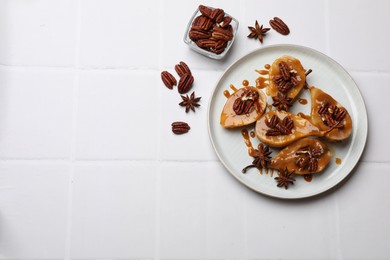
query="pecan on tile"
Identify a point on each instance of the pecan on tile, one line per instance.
(180, 127)
(182, 68)
(168, 79)
(185, 83)
(278, 25)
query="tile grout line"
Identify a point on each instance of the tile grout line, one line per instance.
(75, 104)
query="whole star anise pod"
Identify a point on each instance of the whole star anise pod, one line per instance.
(282, 102)
(190, 102)
(257, 31)
(284, 178)
(261, 158)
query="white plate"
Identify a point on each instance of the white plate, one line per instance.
(327, 75)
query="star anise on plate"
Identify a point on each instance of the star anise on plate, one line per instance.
(282, 102)
(284, 178)
(190, 102)
(261, 158)
(257, 31)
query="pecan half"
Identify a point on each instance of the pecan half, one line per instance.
(217, 15)
(168, 79)
(244, 104)
(185, 83)
(225, 22)
(205, 10)
(278, 25)
(199, 34)
(221, 34)
(182, 68)
(206, 43)
(180, 127)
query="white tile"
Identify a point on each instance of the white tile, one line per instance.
(33, 210)
(40, 32)
(117, 116)
(119, 33)
(113, 213)
(173, 47)
(357, 38)
(364, 213)
(194, 145)
(307, 28)
(279, 229)
(375, 90)
(201, 212)
(36, 113)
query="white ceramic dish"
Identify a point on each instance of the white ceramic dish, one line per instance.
(327, 75)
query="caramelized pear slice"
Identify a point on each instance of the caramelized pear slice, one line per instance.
(286, 75)
(303, 157)
(279, 128)
(243, 107)
(330, 116)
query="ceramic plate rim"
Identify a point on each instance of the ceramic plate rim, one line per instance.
(363, 128)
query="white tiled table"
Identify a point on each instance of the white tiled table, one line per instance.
(89, 168)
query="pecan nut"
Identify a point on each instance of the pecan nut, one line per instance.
(180, 127)
(225, 22)
(185, 83)
(182, 68)
(199, 34)
(278, 25)
(168, 79)
(206, 11)
(221, 34)
(206, 43)
(217, 15)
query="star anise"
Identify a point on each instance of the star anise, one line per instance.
(284, 178)
(282, 101)
(261, 158)
(190, 102)
(257, 31)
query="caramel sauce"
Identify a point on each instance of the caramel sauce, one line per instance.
(248, 143)
(338, 161)
(245, 83)
(262, 72)
(307, 117)
(262, 82)
(302, 101)
(252, 134)
(308, 177)
(226, 93)
(267, 66)
(232, 87)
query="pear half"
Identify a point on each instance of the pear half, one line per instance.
(297, 71)
(321, 102)
(229, 117)
(305, 156)
(301, 128)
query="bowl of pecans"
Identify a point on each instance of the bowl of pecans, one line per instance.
(211, 32)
